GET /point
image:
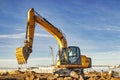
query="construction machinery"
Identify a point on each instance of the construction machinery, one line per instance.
(70, 62)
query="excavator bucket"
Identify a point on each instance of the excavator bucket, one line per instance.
(21, 58)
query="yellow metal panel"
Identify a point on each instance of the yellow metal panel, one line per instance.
(20, 56)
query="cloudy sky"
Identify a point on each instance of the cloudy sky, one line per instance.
(93, 25)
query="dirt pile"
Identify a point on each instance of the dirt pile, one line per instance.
(100, 76)
(26, 75)
(31, 75)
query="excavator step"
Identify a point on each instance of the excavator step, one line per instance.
(20, 56)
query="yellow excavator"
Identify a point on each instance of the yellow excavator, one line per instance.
(70, 62)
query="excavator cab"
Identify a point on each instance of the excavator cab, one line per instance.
(70, 55)
(71, 58)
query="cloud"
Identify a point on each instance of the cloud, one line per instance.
(6, 46)
(43, 35)
(12, 35)
(7, 60)
(40, 58)
(20, 29)
(111, 28)
(107, 58)
(31, 61)
(40, 61)
(8, 63)
(22, 35)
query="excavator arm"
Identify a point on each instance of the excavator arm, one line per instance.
(22, 53)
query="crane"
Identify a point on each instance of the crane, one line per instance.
(70, 58)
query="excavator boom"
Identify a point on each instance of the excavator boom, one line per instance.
(23, 53)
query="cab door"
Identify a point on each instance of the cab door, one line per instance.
(74, 55)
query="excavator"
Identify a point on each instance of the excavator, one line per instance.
(70, 62)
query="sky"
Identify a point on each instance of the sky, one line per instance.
(92, 25)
